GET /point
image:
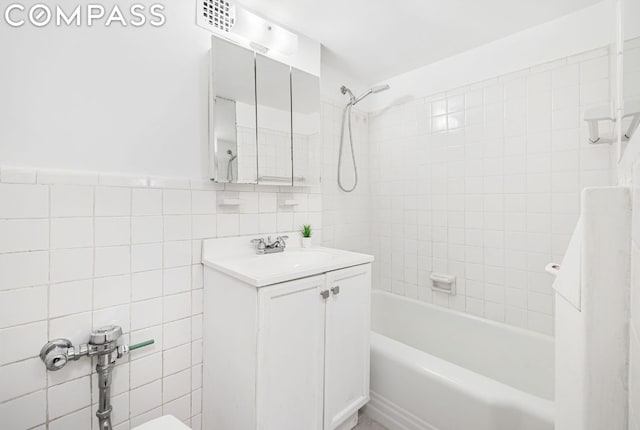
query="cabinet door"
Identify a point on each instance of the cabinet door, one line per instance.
(347, 325)
(291, 355)
(273, 94)
(232, 109)
(305, 125)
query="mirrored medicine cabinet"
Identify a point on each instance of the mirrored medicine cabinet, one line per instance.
(264, 125)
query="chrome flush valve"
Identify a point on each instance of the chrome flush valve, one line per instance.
(55, 354)
(103, 343)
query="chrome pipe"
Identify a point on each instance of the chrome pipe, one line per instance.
(103, 343)
(104, 368)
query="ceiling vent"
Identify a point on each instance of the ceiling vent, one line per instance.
(233, 22)
(219, 14)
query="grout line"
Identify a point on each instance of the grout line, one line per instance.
(129, 358)
(46, 373)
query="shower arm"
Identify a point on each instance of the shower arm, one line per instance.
(362, 96)
(353, 100)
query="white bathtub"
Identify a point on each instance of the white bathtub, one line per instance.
(432, 368)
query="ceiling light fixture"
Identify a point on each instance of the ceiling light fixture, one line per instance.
(237, 24)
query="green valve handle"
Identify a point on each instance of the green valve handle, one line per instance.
(141, 344)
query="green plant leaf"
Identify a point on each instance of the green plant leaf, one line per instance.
(306, 230)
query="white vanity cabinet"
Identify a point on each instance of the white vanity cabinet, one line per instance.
(291, 320)
(346, 358)
(289, 356)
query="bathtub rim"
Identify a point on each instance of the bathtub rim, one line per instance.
(457, 376)
(456, 313)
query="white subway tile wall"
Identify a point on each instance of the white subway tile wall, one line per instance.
(346, 217)
(79, 250)
(483, 182)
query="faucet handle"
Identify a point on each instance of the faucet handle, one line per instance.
(260, 243)
(125, 349)
(282, 239)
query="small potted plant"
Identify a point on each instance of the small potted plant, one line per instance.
(306, 236)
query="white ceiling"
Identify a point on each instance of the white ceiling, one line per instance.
(376, 39)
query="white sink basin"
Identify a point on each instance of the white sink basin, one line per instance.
(291, 259)
(293, 263)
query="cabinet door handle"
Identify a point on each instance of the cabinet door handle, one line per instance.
(325, 294)
(336, 290)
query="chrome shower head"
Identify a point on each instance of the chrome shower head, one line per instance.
(345, 90)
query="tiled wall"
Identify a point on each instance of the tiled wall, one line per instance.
(81, 250)
(483, 182)
(274, 155)
(346, 217)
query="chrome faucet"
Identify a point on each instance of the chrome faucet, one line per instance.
(266, 246)
(103, 343)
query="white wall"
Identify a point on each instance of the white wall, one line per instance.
(119, 249)
(445, 199)
(108, 99)
(111, 99)
(634, 326)
(483, 182)
(589, 28)
(346, 217)
(78, 104)
(629, 173)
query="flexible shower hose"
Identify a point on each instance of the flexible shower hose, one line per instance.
(346, 117)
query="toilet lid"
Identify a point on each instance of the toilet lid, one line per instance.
(167, 422)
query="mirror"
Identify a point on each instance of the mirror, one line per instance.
(264, 119)
(233, 106)
(273, 95)
(305, 105)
